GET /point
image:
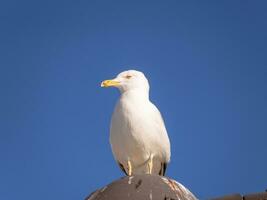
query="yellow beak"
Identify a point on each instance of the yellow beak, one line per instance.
(109, 83)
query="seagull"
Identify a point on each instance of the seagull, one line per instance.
(138, 137)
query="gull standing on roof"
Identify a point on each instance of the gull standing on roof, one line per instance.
(138, 136)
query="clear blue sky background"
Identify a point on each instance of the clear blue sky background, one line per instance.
(207, 66)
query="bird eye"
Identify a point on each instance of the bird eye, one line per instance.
(128, 76)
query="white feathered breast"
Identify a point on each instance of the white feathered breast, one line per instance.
(137, 131)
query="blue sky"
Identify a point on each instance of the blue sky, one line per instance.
(207, 66)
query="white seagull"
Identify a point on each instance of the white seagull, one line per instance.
(138, 136)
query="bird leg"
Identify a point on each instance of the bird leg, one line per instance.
(129, 168)
(150, 164)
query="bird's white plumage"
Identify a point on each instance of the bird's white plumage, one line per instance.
(137, 131)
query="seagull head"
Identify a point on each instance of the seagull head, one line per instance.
(127, 81)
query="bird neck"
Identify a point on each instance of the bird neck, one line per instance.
(136, 94)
